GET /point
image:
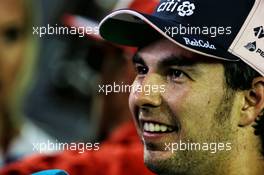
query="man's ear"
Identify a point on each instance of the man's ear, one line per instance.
(254, 102)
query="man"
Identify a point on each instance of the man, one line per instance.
(207, 97)
(205, 114)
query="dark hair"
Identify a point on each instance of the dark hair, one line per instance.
(239, 76)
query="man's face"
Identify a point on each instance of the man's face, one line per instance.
(12, 47)
(12, 42)
(192, 106)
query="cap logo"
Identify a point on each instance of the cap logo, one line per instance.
(198, 43)
(259, 32)
(260, 52)
(185, 8)
(251, 46)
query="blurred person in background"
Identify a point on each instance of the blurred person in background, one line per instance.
(17, 57)
(120, 153)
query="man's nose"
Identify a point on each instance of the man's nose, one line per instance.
(150, 94)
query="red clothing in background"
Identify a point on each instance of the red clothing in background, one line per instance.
(121, 154)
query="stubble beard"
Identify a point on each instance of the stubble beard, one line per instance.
(202, 162)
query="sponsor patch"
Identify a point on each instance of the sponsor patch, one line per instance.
(198, 43)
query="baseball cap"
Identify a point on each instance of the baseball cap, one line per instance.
(226, 30)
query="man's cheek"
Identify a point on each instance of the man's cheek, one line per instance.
(131, 103)
(132, 108)
(193, 113)
(179, 101)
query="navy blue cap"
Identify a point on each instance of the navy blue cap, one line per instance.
(201, 17)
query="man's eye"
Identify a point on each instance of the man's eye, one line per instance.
(175, 74)
(141, 69)
(11, 34)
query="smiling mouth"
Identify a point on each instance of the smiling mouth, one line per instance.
(156, 133)
(158, 128)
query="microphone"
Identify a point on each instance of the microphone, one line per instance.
(51, 172)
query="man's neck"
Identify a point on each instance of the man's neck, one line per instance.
(246, 157)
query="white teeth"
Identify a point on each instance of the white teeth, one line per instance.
(146, 127)
(163, 128)
(157, 127)
(153, 127)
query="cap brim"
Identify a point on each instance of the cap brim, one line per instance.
(131, 28)
(79, 21)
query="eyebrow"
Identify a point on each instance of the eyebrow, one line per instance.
(168, 61)
(137, 59)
